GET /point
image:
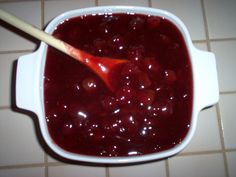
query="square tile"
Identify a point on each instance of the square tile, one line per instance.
(19, 144)
(143, 3)
(7, 63)
(75, 171)
(211, 165)
(23, 172)
(228, 112)
(56, 7)
(189, 11)
(141, 170)
(225, 61)
(221, 18)
(29, 11)
(231, 159)
(207, 135)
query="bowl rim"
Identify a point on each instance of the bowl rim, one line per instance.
(41, 55)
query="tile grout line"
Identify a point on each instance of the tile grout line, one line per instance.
(227, 92)
(222, 39)
(42, 14)
(16, 51)
(222, 139)
(205, 24)
(51, 164)
(213, 40)
(4, 107)
(46, 165)
(9, 1)
(200, 152)
(149, 3)
(217, 106)
(107, 171)
(96, 3)
(167, 167)
(230, 150)
(22, 166)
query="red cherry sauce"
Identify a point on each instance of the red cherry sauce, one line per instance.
(151, 109)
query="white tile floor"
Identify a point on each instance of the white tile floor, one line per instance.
(212, 151)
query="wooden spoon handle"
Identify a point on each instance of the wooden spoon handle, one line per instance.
(35, 32)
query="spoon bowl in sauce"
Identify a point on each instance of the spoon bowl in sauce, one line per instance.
(100, 65)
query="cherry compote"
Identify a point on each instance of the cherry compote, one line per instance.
(150, 111)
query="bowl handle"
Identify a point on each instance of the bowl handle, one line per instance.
(206, 80)
(25, 82)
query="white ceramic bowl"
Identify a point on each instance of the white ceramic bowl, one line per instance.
(30, 79)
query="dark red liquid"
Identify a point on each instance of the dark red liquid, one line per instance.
(151, 109)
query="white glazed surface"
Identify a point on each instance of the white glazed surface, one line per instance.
(29, 89)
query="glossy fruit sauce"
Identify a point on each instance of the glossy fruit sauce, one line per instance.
(150, 111)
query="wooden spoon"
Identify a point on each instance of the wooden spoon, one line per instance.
(100, 65)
